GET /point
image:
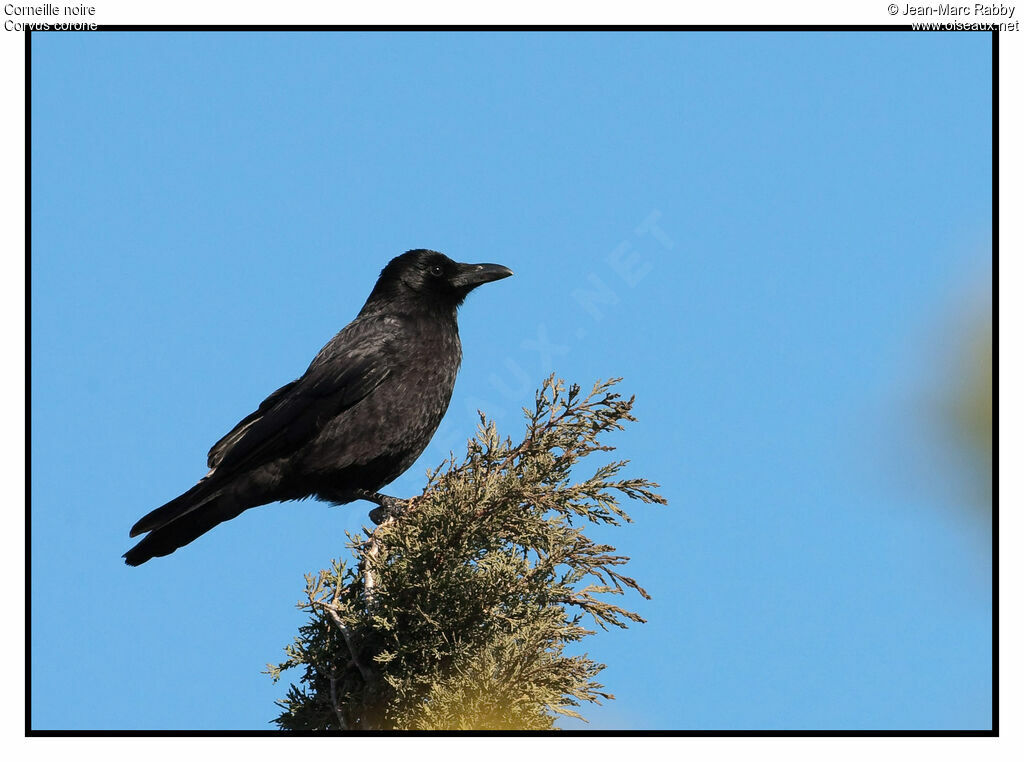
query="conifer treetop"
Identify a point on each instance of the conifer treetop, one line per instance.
(456, 615)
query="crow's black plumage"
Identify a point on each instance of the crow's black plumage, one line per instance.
(358, 417)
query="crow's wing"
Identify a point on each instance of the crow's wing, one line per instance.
(232, 438)
(353, 364)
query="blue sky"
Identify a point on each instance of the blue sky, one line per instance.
(783, 231)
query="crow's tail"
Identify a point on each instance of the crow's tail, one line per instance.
(180, 521)
(186, 502)
(189, 522)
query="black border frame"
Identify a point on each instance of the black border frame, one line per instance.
(31, 732)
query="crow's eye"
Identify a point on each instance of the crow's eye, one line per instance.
(437, 271)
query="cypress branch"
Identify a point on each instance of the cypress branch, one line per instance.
(456, 615)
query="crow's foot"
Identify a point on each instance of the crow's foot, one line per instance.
(387, 506)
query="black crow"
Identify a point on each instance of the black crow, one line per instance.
(358, 417)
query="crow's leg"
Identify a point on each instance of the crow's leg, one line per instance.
(386, 506)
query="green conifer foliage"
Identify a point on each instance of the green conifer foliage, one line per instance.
(456, 614)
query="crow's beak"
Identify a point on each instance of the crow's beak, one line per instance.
(471, 276)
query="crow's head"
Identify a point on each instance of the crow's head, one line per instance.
(432, 278)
